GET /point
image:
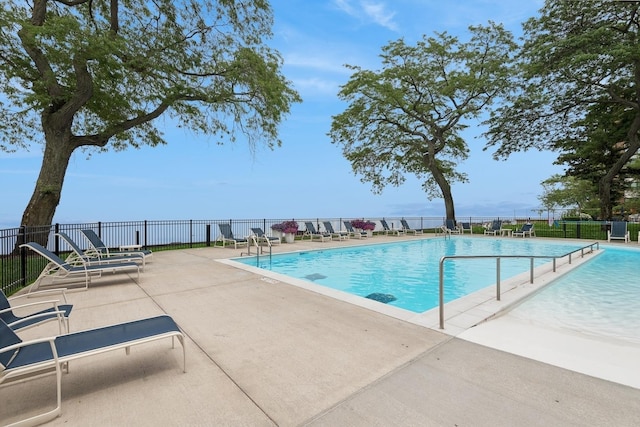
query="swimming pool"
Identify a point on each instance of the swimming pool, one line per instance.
(406, 274)
(601, 298)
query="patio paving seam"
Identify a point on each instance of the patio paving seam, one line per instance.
(195, 344)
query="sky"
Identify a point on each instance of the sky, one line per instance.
(307, 177)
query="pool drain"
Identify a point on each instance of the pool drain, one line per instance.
(384, 298)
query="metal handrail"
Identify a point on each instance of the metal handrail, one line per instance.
(498, 258)
(254, 241)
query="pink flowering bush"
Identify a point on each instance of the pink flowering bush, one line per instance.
(363, 225)
(286, 227)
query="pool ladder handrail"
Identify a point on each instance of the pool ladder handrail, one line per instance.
(254, 241)
(498, 258)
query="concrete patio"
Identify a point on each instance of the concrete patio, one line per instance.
(262, 352)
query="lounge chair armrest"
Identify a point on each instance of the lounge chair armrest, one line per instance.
(58, 314)
(53, 303)
(19, 345)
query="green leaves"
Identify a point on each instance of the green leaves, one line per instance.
(577, 91)
(576, 54)
(406, 117)
(101, 75)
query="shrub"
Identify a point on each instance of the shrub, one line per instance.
(363, 225)
(286, 227)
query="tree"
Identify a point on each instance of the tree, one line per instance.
(577, 54)
(595, 147)
(96, 74)
(407, 117)
(567, 192)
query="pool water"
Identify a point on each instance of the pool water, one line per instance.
(406, 274)
(600, 298)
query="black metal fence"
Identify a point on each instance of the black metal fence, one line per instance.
(19, 267)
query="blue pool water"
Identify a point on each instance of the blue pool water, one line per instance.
(600, 298)
(409, 271)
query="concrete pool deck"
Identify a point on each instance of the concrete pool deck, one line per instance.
(263, 352)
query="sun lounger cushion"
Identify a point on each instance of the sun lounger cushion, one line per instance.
(21, 359)
(84, 343)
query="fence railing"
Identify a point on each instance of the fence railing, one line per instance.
(531, 258)
(19, 268)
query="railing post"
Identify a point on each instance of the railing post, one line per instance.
(531, 278)
(498, 278)
(441, 296)
(208, 235)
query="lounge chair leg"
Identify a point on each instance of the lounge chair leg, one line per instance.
(184, 351)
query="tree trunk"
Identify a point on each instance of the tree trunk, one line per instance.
(48, 189)
(604, 187)
(442, 182)
(604, 194)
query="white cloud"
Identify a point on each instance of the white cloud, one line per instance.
(378, 13)
(369, 11)
(346, 7)
(315, 85)
(332, 65)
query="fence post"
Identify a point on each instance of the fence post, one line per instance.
(208, 235)
(23, 255)
(56, 240)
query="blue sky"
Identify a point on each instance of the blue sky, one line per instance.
(193, 178)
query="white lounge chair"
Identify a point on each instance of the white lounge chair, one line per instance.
(58, 269)
(20, 360)
(465, 226)
(79, 256)
(450, 227)
(341, 235)
(100, 249)
(314, 234)
(387, 230)
(353, 233)
(407, 229)
(263, 238)
(227, 236)
(618, 231)
(525, 230)
(494, 228)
